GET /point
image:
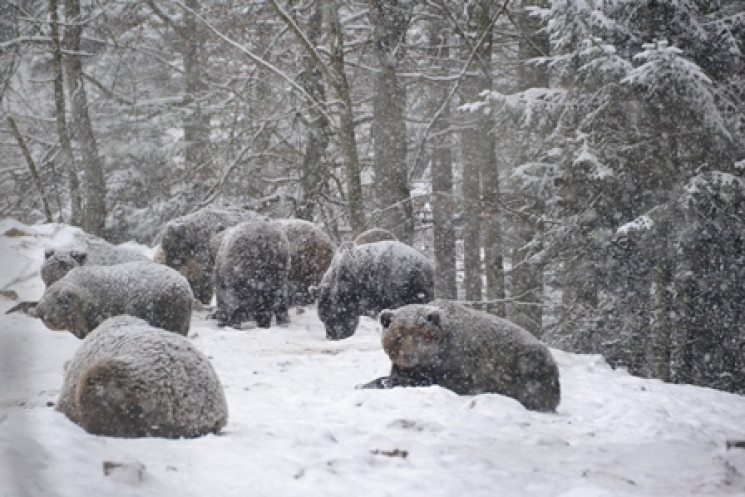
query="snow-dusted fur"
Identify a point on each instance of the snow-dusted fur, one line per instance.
(92, 251)
(365, 279)
(374, 235)
(184, 245)
(467, 351)
(88, 295)
(251, 269)
(129, 379)
(311, 252)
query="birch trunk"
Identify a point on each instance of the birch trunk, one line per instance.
(76, 202)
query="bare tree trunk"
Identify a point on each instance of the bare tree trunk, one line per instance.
(32, 168)
(312, 175)
(76, 203)
(526, 277)
(471, 193)
(347, 134)
(196, 122)
(441, 160)
(94, 213)
(486, 155)
(392, 194)
(480, 173)
(659, 345)
(9, 57)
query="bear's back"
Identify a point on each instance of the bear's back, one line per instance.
(182, 389)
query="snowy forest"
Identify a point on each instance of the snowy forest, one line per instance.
(575, 166)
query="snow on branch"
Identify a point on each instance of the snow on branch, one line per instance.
(531, 107)
(666, 72)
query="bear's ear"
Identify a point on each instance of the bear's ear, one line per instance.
(346, 246)
(79, 255)
(433, 317)
(32, 311)
(386, 317)
(48, 252)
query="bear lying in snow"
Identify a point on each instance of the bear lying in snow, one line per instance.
(88, 295)
(92, 251)
(184, 245)
(129, 379)
(365, 279)
(374, 235)
(251, 268)
(311, 252)
(469, 352)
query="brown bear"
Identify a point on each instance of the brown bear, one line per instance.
(374, 235)
(88, 295)
(130, 379)
(311, 252)
(365, 279)
(469, 352)
(184, 245)
(92, 251)
(251, 270)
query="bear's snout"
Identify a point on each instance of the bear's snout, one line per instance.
(407, 359)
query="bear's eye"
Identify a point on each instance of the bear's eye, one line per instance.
(63, 300)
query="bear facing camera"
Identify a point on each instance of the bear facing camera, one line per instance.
(469, 352)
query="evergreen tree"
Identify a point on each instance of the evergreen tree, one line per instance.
(640, 111)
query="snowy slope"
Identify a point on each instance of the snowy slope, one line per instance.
(299, 427)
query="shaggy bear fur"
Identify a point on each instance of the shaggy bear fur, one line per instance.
(88, 295)
(251, 269)
(374, 235)
(469, 352)
(95, 252)
(311, 252)
(365, 279)
(129, 379)
(184, 245)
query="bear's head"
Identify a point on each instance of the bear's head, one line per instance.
(338, 301)
(63, 307)
(412, 336)
(175, 244)
(57, 263)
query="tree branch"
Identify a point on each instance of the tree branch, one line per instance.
(290, 22)
(458, 81)
(256, 59)
(32, 168)
(164, 17)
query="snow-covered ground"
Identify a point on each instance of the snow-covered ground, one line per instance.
(299, 427)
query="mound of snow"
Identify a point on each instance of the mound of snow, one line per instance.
(298, 426)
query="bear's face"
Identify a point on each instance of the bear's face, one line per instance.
(338, 310)
(57, 263)
(63, 308)
(181, 243)
(174, 246)
(412, 339)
